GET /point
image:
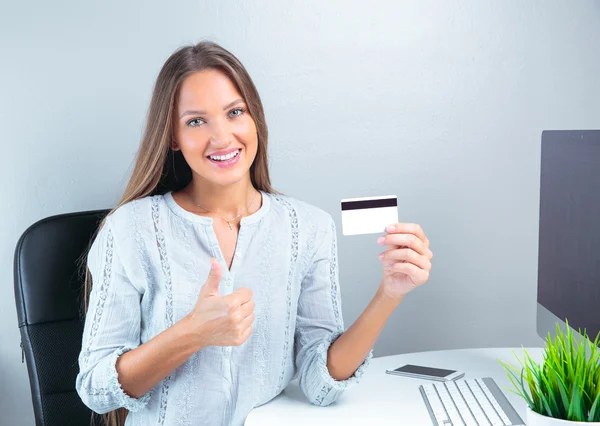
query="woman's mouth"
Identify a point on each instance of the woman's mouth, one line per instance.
(225, 161)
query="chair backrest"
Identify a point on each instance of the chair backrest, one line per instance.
(48, 294)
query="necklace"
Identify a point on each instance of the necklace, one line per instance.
(228, 220)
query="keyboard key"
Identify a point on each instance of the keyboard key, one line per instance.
(495, 404)
(469, 403)
(448, 404)
(436, 405)
(460, 403)
(485, 404)
(473, 404)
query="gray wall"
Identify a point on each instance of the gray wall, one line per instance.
(439, 102)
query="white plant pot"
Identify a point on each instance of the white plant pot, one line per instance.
(536, 419)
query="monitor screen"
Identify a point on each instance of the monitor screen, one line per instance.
(569, 230)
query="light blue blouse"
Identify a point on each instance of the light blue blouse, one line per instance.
(148, 263)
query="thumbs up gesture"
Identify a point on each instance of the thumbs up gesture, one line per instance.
(222, 320)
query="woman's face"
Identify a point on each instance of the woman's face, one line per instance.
(212, 127)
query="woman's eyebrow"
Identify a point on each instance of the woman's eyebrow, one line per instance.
(196, 112)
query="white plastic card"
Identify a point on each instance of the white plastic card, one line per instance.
(368, 215)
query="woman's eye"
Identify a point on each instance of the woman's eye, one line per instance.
(240, 110)
(233, 113)
(195, 122)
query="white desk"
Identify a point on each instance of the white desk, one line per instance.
(384, 399)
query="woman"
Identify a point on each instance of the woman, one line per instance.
(210, 289)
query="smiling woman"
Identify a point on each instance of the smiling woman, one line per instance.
(210, 289)
(212, 141)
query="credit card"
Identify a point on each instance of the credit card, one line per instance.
(368, 215)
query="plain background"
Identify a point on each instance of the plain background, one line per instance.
(439, 102)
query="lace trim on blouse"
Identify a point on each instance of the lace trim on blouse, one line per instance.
(324, 346)
(330, 382)
(335, 294)
(294, 258)
(114, 387)
(142, 250)
(162, 250)
(102, 294)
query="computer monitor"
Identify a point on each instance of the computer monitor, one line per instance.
(569, 232)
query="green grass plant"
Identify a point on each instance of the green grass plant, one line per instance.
(566, 385)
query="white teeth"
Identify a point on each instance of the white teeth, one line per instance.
(224, 157)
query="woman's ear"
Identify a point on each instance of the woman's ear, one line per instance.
(174, 145)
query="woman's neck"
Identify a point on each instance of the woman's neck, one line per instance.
(227, 201)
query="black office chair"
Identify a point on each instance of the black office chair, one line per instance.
(48, 294)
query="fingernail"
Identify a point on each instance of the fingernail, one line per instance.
(390, 228)
(380, 240)
(380, 256)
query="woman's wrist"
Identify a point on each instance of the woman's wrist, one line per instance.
(191, 334)
(387, 300)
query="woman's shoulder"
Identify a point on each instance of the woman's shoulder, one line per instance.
(134, 216)
(133, 207)
(301, 211)
(125, 231)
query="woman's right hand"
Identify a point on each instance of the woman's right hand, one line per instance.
(221, 320)
(215, 321)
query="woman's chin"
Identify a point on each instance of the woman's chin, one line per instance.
(226, 179)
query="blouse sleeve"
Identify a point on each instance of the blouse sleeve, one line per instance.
(112, 327)
(319, 324)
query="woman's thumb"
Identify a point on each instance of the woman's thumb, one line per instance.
(214, 278)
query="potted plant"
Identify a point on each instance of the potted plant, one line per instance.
(565, 388)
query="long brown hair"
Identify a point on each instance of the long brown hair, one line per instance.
(158, 169)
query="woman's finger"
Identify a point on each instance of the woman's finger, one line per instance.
(247, 321)
(246, 334)
(247, 308)
(408, 240)
(407, 255)
(417, 275)
(244, 331)
(238, 297)
(408, 228)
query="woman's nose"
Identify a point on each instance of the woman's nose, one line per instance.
(220, 136)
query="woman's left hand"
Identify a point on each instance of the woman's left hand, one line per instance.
(407, 262)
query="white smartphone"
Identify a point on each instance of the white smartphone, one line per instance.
(427, 373)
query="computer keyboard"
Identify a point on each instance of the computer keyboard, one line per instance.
(469, 402)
